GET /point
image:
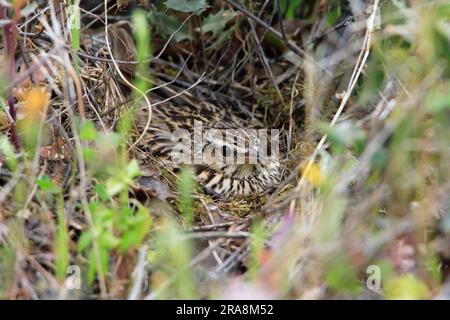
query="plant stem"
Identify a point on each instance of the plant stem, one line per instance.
(10, 43)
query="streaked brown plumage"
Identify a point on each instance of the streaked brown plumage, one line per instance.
(226, 180)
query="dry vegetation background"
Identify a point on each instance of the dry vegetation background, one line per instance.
(360, 90)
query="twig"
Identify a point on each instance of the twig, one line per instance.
(234, 258)
(218, 234)
(280, 17)
(216, 226)
(139, 274)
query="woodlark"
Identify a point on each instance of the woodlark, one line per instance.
(228, 158)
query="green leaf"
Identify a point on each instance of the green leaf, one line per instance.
(123, 178)
(186, 5)
(222, 37)
(143, 47)
(438, 99)
(135, 234)
(341, 276)
(100, 190)
(141, 34)
(259, 236)
(61, 243)
(289, 7)
(334, 14)
(216, 22)
(108, 240)
(84, 241)
(167, 25)
(7, 149)
(92, 268)
(89, 154)
(87, 131)
(433, 266)
(186, 187)
(132, 169)
(46, 184)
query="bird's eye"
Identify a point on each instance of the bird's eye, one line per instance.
(226, 151)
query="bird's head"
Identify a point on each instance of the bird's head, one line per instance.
(239, 161)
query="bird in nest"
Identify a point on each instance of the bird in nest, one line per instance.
(230, 158)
